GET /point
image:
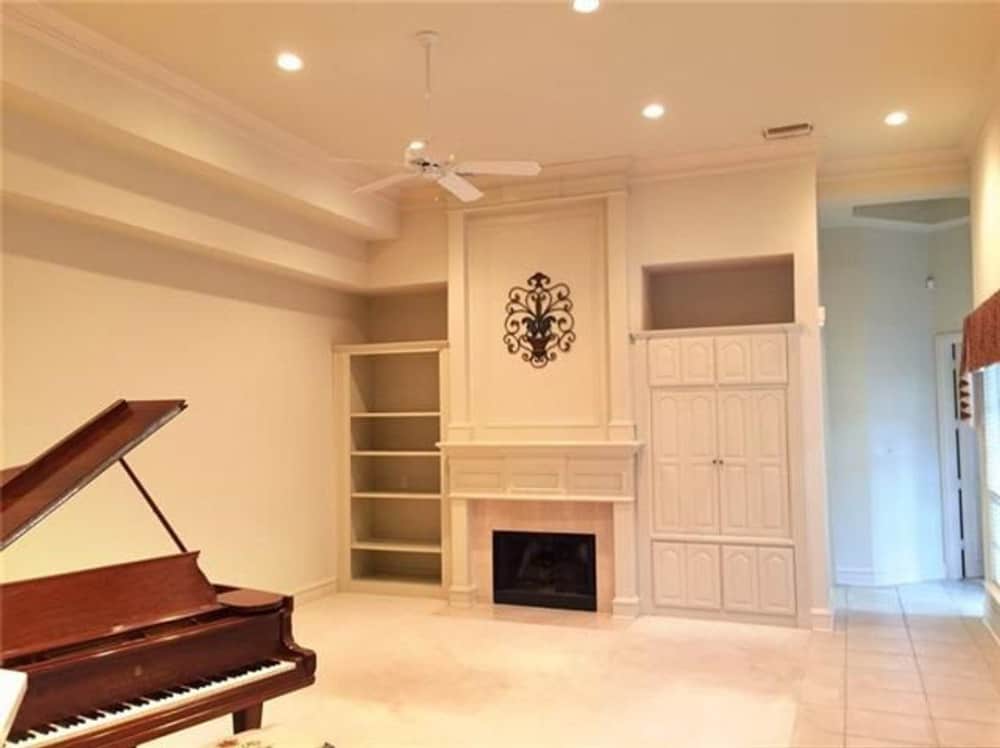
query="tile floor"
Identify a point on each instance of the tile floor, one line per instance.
(907, 666)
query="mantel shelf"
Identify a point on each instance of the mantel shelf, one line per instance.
(398, 546)
(555, 498)
(399, 495)
(395, 453)
(398, 414)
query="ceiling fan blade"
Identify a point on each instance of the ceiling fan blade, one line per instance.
(461, 188)
(384, 182)
(508, 168)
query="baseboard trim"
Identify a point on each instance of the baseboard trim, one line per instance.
(309, 592)
(625, 607)
(867, 577)
(462, 595)
(991, 615)
(821, 619)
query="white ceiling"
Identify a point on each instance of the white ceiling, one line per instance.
(530, 80)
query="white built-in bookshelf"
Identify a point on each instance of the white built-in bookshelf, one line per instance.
(390, 413)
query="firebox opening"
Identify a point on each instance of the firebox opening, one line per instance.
(545, 569)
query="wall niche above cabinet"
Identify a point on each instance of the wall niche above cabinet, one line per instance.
(754, 291)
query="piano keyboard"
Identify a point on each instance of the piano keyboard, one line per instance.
(124, 711)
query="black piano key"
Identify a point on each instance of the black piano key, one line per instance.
(92, 715)
(17, 737)
(44, 729)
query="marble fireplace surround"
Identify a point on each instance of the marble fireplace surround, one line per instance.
(586, 487)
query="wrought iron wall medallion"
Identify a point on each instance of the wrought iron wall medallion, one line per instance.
(539, 321)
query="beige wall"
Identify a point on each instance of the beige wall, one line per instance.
(245, 473)
(986, 209)
(418, 257)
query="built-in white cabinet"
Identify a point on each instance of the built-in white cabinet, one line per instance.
(682, 361)
(776, 575)
(719, 507)
(734, 578)
(686, 575)
(685, 474)
(739, 577)
(753, 480)
(720, 462)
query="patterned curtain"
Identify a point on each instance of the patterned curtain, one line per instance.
(981, 336)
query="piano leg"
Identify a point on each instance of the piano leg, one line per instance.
(248, 719)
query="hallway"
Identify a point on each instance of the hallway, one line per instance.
(910, 665)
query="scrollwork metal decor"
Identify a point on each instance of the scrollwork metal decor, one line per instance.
(539, 321)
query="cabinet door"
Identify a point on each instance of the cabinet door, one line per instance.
(753, 480)
(702, 567)
(685, 484)
(664, 361)
(770, 359)
(697, 360)
(736, 466)
(739, 577)
(733, 359)
(776, 580)
(668, 574)
(770, 503)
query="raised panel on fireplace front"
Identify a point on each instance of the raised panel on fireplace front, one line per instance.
(536, 475)
(473, 474)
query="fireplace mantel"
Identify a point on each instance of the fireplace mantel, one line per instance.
(542, 471)
(556, 472)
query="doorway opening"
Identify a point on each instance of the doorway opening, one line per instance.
(958, 453)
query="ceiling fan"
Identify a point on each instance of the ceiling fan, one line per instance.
(419, 164)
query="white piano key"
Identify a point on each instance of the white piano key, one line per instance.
(108, 719)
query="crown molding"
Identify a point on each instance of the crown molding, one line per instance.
(61, 34)
(723, 161)
(909, 162)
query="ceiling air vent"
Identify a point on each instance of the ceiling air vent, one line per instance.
(798, 130)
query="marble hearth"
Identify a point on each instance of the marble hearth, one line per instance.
(544, 487)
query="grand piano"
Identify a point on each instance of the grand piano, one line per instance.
(122, 654)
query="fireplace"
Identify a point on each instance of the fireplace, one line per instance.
(545, 569)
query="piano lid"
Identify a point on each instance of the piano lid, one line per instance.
(29, 492)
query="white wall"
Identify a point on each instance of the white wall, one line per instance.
(884, 484)
(245, 473)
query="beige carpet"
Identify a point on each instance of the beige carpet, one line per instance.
(399, 672)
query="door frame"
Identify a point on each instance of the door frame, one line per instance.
(951, 515)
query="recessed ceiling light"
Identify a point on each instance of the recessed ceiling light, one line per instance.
(289, 61)
(653, 111)
(586, 6)
(416, 145)
(895, 119)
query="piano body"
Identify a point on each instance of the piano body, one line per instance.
(122, 654)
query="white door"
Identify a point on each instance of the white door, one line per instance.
(685, 484)
(739, 577)
(753, 482)
(776, 580)
(702, 578)
(958, 454)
